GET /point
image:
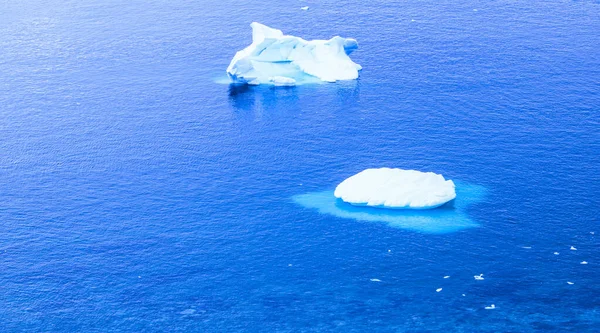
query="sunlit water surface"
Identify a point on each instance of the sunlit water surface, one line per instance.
(139, 193)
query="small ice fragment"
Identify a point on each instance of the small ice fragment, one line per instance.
(447, 276)
(188, 312)
(478, 277)
(556, 253)
(569, 282)
(474, 10)
(527, 247)
(289, 265)
(139, 276)
(584, 262)
(491, 307)
(591, 232)
(573, 248)
(375, 280)
(464, 295)
(438, 290)
(304, 8)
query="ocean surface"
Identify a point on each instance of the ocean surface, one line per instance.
(140, 193)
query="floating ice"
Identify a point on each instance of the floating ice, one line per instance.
(447, 277)
(584, 262)
(569, 282)
(304, 8)
(445, 219)
(556, 253)
(573, 248)
(396, 188)
(188, 312)
(438, 290)
(275, 55)
(375, 280)
(478, 277)
(491, 307)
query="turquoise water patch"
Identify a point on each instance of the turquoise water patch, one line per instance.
(448, 218)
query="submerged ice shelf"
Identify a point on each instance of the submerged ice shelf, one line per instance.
(445, 219)
(396, 188)
(275, 58)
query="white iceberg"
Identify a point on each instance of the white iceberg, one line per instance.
(275, 55)
(396, 188)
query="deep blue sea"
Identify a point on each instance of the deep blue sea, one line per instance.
(139, 193)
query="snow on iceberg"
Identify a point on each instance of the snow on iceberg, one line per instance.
(282, 81)
(396, 188)
(275, 55)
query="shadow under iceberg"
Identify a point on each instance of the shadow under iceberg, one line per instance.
(448, 218)
(244, 97)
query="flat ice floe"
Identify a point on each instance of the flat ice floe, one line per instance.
(396, 188)
(275, 58)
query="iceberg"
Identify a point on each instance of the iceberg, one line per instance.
(273, 57)
(396, 188)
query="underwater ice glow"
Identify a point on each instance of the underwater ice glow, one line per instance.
(445, 219)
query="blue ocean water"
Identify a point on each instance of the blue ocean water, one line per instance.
(139, 194)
